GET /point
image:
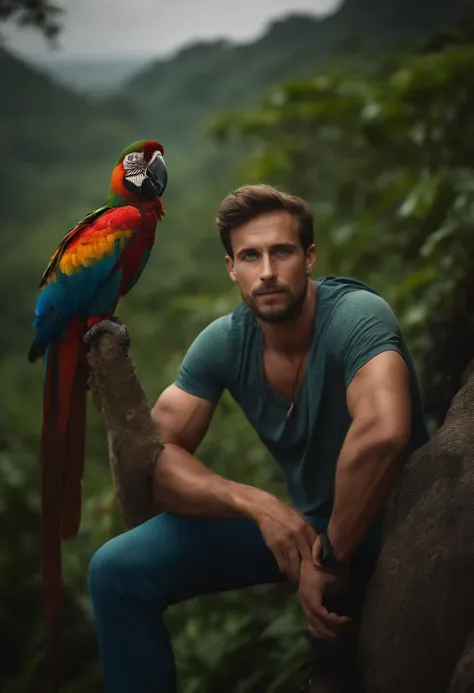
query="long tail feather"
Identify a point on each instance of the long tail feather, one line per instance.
(74, 463)
(51, 488)
(62, 457)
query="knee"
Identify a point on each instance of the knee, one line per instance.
(107, 570)
(127, 567)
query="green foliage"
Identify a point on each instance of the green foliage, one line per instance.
(387, 161)
(384, 155)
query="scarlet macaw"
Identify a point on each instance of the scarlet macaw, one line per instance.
(98, 261)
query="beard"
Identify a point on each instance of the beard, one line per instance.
(273, 315)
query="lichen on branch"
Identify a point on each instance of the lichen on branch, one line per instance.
(133, 440)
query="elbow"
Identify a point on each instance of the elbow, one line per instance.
(173, 438)
(156, 415)
(163, 421)
(161, 413)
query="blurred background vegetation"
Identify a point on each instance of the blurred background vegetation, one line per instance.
(369, 114)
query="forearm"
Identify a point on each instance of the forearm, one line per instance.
(366, 472)
(183, 485)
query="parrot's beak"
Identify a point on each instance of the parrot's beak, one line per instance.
(158, 175)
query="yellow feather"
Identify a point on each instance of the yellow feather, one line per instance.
(89, 251)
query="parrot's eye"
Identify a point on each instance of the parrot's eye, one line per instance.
(133, 158)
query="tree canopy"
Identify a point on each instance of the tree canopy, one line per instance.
(386, 159)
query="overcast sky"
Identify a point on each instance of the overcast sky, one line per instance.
(157, 27)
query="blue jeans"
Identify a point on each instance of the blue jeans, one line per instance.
(136, 575)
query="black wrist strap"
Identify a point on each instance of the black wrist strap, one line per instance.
(327, 559)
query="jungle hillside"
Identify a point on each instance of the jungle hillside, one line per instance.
(369, 114)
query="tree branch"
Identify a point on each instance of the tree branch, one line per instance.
(133, 440)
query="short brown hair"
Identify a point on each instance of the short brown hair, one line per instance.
(249, 201)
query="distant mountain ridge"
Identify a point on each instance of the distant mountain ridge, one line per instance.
(94, 76)
(205, 77)
(355, 21)
(46, 128)
(58, 146)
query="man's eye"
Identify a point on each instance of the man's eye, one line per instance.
(281, 252)
(250, 256)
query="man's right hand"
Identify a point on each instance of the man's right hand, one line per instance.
(287, 533)
(183, 485)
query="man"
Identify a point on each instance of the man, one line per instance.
(323, 374)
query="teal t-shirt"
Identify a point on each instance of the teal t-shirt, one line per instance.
(352, 325)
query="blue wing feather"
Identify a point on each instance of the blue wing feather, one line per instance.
(92, 291)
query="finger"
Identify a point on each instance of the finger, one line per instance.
(331, 630)
(281, 561)
(316, 617)
(328, 625)
(319, 629)
(316, 550)
(316, 632)
(294, 563)
(305, 545)
(341, 620)
(311, 533)
(331, 618)
(323, 634)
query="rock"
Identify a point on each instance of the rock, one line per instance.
(417, 631)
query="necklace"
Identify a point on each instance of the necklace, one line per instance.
(293, 395)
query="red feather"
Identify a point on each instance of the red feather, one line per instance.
(77, 374)
(62, 466)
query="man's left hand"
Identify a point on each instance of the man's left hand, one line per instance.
(314, 584)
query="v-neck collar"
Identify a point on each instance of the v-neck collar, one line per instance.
(260, 370)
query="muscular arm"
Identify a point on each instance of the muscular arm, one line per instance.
(181, 483)
(378, 400)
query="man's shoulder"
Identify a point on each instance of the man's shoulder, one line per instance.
(356, 318)
(225, 330)
(347, 298)
(218, 326)
(333, 288)
(360, 324)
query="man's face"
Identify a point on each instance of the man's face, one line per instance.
(270, 266)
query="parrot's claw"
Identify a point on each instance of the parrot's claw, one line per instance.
(113, 326)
